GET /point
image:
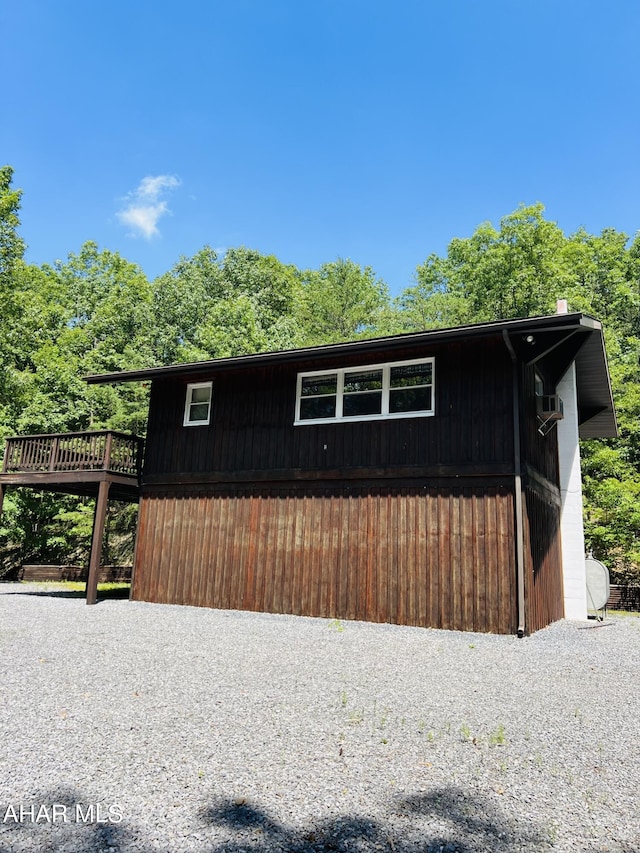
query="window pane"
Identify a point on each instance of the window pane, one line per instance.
(407, 375)
(410, 400)
(362, 404)
(317, 407)
(313, 385)
(369, 381)
(200, 395)
(199, 412)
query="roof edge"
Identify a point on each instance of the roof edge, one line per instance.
(494, 327)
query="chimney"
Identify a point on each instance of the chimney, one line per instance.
(561, 306)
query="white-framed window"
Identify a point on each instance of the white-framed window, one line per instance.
(197, 407)
(398, 389)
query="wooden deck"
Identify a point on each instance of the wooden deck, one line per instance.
(75, 462)
(103, 464)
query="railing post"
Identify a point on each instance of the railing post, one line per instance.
(7, 451)
(53, 454)
(107, 451)
(139, 455)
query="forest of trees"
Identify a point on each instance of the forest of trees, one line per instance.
(97, 312)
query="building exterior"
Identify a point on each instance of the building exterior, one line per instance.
(427, 479)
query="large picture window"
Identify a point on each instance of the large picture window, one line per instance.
(402, 389)
(197, 408)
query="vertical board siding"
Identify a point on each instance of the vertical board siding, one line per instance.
(543, 561)
(253, 411)
(544, 597)
(540, 451)
(434, 557)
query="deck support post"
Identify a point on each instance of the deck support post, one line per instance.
(96, 541)
(1, 498)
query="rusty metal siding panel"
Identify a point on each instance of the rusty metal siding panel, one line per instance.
(434, 556)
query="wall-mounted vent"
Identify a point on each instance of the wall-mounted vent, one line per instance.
(550, 407)
(549, 410)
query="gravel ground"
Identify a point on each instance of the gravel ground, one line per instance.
(180, 729)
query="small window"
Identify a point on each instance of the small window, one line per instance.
(395, 390)
(538, 384)
(197, 410)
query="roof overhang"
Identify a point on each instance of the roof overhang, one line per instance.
(558, 338)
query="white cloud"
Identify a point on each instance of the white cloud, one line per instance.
(145, 205)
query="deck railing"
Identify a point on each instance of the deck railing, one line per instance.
(74, 451)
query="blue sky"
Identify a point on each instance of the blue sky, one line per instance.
(376, 131)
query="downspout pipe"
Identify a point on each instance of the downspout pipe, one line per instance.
(517, 467)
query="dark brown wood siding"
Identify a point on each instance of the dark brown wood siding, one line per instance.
(539, 451)
(541, 509)
(436, 555)
(253, 411)
(544, 596)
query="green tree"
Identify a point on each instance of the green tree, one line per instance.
(209, 307)
(11, 244)
(430, 303)
(342, 301)
(518, 271)
(89, 314)
(11, 252)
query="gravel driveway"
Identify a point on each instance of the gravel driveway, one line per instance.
(164, 728)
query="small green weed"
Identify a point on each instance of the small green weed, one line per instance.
(336, 625)
(497, 737)
(356, 717)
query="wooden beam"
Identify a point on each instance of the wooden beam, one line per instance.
(96, 541)
(42, 479)
(1, 498)
(358, 474)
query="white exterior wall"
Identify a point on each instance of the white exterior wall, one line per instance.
(571, 525)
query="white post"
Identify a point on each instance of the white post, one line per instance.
(571, 524)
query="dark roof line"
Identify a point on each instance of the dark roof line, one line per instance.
(539, 324)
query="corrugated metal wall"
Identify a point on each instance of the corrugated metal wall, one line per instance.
(438, 556)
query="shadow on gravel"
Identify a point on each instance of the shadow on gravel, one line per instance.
(444, 821)
(447, 820)
(76, 826)
(103, 595)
